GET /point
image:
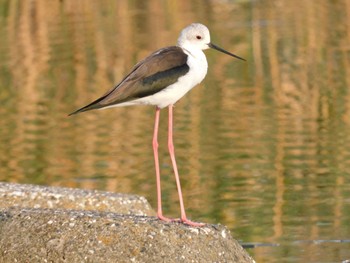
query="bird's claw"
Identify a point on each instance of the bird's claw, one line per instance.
(181, 220)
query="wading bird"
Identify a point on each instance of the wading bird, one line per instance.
(160, 80)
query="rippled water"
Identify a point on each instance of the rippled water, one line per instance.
(262, 147)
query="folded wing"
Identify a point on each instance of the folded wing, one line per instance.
(149, 76)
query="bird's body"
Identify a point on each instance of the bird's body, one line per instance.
(161, 79)
(198, 67)
(194, 67)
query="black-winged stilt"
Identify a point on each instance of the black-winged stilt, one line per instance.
(161, 79)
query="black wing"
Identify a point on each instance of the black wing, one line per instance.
(149, 76)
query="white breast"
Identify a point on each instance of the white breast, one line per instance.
(198, 69)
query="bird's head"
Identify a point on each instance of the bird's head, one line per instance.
(197, 36)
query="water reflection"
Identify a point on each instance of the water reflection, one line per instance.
(262, 146)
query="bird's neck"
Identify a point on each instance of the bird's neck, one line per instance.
(194, 52)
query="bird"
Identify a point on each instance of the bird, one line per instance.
(160, 80)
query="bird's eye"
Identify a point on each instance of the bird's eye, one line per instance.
(198, 37)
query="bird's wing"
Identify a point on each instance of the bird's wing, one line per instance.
(149, 76)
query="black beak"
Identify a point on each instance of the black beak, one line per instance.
(211, 45)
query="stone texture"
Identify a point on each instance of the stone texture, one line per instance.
(36, 196)
(65, 235)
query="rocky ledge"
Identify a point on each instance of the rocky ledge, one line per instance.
(51, 224)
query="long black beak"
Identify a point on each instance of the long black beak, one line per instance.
(211, 45)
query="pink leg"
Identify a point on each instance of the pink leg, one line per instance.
(177, 178)
(156, 162)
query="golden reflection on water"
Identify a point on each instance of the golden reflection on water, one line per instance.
(262, 146)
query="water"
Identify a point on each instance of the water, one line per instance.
(262, 146)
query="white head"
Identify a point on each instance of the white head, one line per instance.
(195, 35)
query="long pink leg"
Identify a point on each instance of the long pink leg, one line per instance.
(156, 162)
(177, 178)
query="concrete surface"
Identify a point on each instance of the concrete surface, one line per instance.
(37, 196)
(66, 235)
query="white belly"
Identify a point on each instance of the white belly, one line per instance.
(170, 95)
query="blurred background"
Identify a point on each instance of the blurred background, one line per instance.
(262, 146)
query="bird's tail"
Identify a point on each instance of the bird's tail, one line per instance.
(92, 106)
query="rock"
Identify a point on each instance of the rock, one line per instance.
(36, 196)
(65, 235)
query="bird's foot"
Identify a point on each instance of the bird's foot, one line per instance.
(180, 220)
(191, 223)
(166, 219)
